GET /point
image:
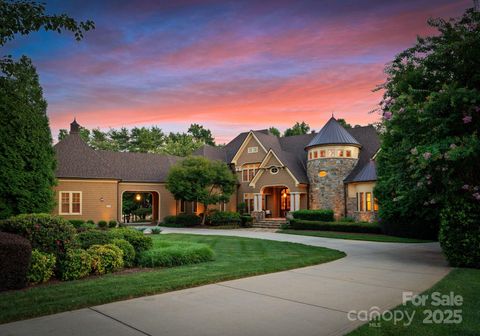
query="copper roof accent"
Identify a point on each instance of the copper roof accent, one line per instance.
(333, 134)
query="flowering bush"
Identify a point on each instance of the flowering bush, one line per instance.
(430, 143)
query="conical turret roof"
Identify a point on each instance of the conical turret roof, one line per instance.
(333, 134)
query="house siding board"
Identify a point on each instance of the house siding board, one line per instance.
(92, 192)
(245, 157)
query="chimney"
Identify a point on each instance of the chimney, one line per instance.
(74, 127)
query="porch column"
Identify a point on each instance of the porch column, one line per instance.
(257, 202)
(294, 201)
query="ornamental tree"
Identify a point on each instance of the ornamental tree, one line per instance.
(198, 179)
(430, 153)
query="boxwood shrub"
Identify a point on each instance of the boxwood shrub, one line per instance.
(76, 264)
(247, 220)
(15, 253)
(182, 220)
(112, 223)
(175, 254)
(93, 237)
(323, 215)
(106, 258)
(139, 241)
(128, 251)
(362, 227)
(460, 233)
(102, 224)
(41, 267)
(76, 222)
(217, 218)
(47, 233)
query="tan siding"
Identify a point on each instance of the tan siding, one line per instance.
(245, 157)
(92, 193)
(282, 178)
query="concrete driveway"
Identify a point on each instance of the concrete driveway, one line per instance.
(313, 300)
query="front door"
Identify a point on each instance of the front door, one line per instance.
(284, 202)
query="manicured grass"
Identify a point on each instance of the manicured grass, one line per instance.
(462, 281)
(354, 236)
(235, 257)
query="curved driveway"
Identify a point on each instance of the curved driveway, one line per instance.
(314, 300)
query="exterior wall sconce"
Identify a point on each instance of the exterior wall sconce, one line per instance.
(101, 199)
(138, 197)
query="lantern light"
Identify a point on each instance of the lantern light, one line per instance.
(138, 197)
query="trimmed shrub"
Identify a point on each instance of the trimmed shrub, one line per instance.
(112, 223)
(76, 264)
(182, 220)
(217, 218)
(86, 227)
(323, 215)
(139, 241)
(156, 230)
(128, 251)
(102, 224)
(460, 233)
(347, 219)
(247, 221)
(93, 237)
(106, 258)
(47, 233)
(76, 222)
(41, 267)
(90, 221)
(362, 227)
(176, 254)
(15, 254)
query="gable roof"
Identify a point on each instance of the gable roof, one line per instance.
(333, 134)
(368, 137)
(75, 159)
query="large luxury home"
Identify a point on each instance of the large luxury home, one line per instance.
(331, 169)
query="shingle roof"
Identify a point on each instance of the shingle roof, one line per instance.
(367, 173)
(75, 159)
(212, 152)
(368, 137)
(333, 133)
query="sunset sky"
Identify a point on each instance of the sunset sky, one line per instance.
(229, 65)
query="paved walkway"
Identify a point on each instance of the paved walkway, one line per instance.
(313, 300)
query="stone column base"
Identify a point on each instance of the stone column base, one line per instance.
(258, 215)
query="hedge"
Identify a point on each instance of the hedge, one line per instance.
(15, 254)
(247, 221)
(362, 227)
(128, 251)
(182, 220)
(139, 241)
(47, 233)
(175, 254)
(93, 237)
(224, 218)
(459, 234)
(76, 222)
(323, 215)
(41, 267)
(76, 264)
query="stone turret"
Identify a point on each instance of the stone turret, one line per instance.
(332, 155)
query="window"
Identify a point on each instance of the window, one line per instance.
(322, 153)
(181, 206)
(194, 207)
(315, 155)
(340, 153)
(70, 203)
(310, 155)
(369, 201)
(223, 206)
(375, 204)
(360, 201)
(348, 153)
(248, 199)
(273, 170)
(249, 171)
(252, 150)
(331, 153)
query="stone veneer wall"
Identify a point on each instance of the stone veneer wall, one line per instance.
(328, 192)
(359, 216)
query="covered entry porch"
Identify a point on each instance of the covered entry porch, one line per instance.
(277, 201)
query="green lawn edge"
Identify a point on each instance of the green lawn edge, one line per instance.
(235, 257)
(354, 236)
(460, 281)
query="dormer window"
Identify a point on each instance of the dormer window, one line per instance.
(252, 150)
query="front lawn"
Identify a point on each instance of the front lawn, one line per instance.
(235, 257)
(461, 281)
(354, 236)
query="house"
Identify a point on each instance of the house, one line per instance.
(331, 169)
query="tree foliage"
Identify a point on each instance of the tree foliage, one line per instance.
(298, 129)
(274, 131)
(431, 119)
(199, 179)
(26, 153)
(24, 17)
(147, 140)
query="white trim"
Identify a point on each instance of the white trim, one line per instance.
(263, 165)
(70, 203)
(88, 180)
(143, 183)
(244, 144)
(376, 153)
